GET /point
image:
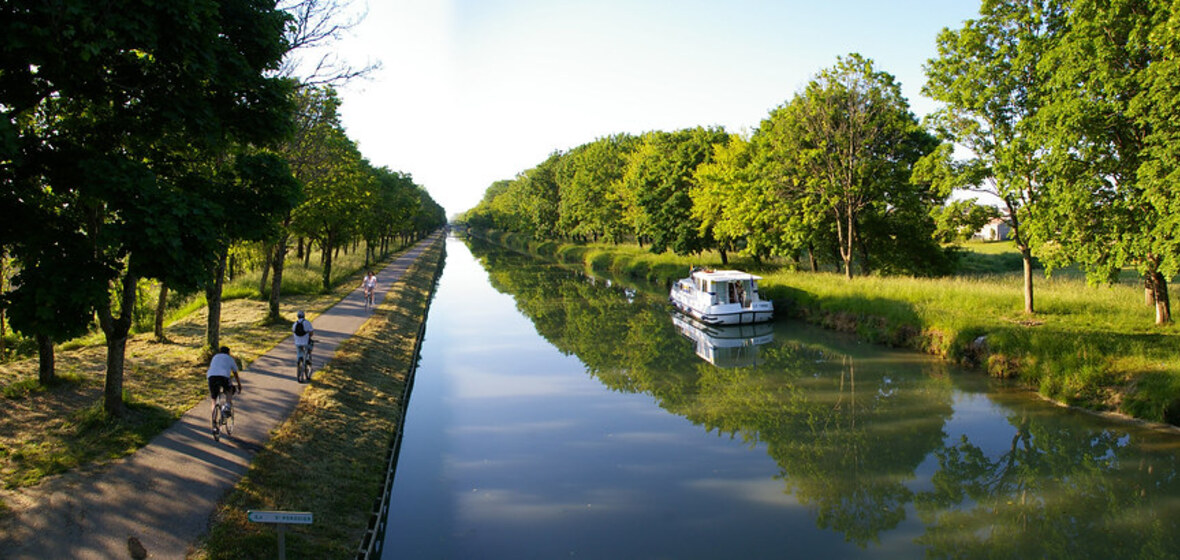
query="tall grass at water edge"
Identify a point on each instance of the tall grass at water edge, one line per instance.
(1096, 347)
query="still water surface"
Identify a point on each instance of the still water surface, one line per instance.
(558, 416)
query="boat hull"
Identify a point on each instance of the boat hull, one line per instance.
(720, 315)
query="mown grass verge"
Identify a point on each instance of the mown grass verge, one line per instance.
(329, 457)
(1093, 347)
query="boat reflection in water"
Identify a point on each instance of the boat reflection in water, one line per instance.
(725, 345)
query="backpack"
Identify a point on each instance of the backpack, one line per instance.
(300, 330)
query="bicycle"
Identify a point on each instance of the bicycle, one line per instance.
(223, 416)
(368, 298)
(303, 364)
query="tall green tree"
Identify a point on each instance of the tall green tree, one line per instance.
(1158, 110)
(335, 198)
(660, 177)
(592, 204)
(845, 148)
(258, 191)
(111, 114)
(1103, 216)
(990, 77)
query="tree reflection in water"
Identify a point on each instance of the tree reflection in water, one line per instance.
(850, 428)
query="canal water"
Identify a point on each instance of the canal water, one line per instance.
(554, 415)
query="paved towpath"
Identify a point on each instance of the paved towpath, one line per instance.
(164, 494)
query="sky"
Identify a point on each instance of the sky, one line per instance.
(470, 92)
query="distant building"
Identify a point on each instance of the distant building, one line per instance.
(995, 230)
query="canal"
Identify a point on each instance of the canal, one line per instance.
(554, 416)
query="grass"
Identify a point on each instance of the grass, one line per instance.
(330, 456)
(1094, 347)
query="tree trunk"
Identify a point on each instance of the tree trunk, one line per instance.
(811, 257)
(276, 285)
(1163, 307)
(1026, 257)
(213, 300)
(161, 307)
(115, 329)
(3, 315)
(724, 257)
(326, 245)
(45, 368)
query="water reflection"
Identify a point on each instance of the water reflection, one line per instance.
(725, 345)
(898, 454)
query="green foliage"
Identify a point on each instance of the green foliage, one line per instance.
(660, 179)
(1097, 127)
(593, 201)
(840, 155)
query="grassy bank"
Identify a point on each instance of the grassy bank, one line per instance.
(329, 457)
(1092, 347)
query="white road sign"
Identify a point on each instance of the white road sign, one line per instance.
(292, 517)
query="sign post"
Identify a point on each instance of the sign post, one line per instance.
(282, 519)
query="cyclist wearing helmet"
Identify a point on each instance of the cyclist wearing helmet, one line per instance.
(303, 331)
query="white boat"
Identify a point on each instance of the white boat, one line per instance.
(721, 297)
(727, 345)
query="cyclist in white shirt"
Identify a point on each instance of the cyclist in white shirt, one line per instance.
(301, 340)
(221, 368)
(369, 284)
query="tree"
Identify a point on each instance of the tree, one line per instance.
(1158, 110)
(1102, 216)
(334, 198)
(591, 203)
(259, 191)
(989, 75)
(844, 150)
(659, 178)
(316, 25)
(722, 184)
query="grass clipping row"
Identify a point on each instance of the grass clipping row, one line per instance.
(329, 457)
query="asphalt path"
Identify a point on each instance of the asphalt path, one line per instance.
(164, 494)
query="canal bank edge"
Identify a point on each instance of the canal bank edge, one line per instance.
(966, 349)
(335, 455)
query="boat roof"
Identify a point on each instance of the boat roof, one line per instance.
(725, 275)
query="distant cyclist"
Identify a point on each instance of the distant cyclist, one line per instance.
(221, 368)
(303, 331)
(369, 284)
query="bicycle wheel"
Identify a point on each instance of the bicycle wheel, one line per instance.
(299, 370)
(227, 420)
(217, 422)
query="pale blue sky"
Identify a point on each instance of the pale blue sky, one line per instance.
(474, 91)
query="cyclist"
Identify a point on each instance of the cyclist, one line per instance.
(370, 284)
(303, 331)
(221, 368)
